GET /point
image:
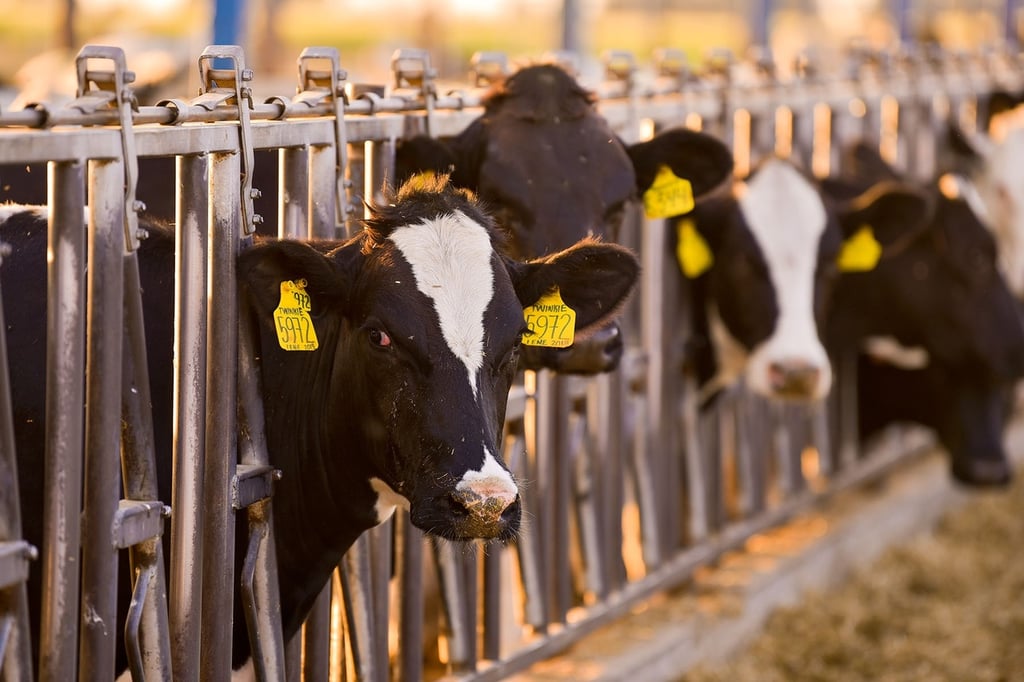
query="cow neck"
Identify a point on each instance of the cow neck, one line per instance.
(314, 524)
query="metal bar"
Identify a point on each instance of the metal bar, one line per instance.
(316, 639)
(221, 433)
(103, 422)
(15, 633)
(409, 560)
(322, 194)
(190, 324)
(293, 193)
(139, 475)
(356, 581)
(65, 395)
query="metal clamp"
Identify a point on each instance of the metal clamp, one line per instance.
(322, 78)
(412, 69)
(137, 521)
(226, 86)
(99, 89)
(252, 483)
(488, 68)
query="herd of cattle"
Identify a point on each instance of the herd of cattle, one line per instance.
(387, 359)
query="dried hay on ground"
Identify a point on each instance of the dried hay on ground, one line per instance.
(949, 606)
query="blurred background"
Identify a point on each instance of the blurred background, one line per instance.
(162, 38)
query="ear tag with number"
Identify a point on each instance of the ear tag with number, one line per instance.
(552, 322)
(860, 253)
(291, 318)
(669, 195)
(692, 252)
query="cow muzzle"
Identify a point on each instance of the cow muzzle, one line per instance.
(485, 508)
(795, 379)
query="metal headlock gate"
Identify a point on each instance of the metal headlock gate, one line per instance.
(629, 488)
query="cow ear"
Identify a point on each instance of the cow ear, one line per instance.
(262, 268)
(594, 278)
(421, 154)
(700, 159)
(889, 209)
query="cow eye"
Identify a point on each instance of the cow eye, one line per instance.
(380, 338)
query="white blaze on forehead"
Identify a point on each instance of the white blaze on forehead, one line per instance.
(451, 261)
(787, 217)
(492, 476)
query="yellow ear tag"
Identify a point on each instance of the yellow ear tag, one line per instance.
(692, 252)
(668, 195)
(860, 253)
(291, 318)
(551, 321)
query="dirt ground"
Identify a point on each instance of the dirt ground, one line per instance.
(946, 607)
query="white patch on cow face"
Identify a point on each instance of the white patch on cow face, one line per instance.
(451, 261)
(387, 500)
(787, 217)
(490, 480)
(890, 351)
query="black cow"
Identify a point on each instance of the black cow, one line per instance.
(555, 172)
(938, 333)
(418, 323)
(760, 266)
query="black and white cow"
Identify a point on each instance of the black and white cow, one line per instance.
(555, 172)
(418, 322)
(761, 264)
(937, 331)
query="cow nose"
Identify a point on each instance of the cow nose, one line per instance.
(793, 378)
(485, 502)
(609, 340)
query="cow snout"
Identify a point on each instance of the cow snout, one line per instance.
(794, 379)
(490, 507)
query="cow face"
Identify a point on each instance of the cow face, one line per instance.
(419, 323)
(936, 285)
(773, 249)
(554, 172)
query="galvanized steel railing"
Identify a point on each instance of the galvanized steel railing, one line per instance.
(628, 487)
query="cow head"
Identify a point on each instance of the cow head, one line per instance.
(769, 270)
(554, 172)
(418, 327)
(936, 284)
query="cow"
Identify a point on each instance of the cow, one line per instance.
(936, 329)
(760, 266)
(555, 172)
(395, 396)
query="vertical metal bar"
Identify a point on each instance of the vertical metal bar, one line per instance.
(65, 395)
(16, 642)
(492, 611)
(263, 601)
(323, 194)
(221, 435)
(409, 560)
(458, 594)
(139, 473)
(293, 193)
(103, 419)
(759, 29)
(190, 324)
(903, 23)
(381, 537)
(1010, 33)
(316, 638)
(356, 579)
